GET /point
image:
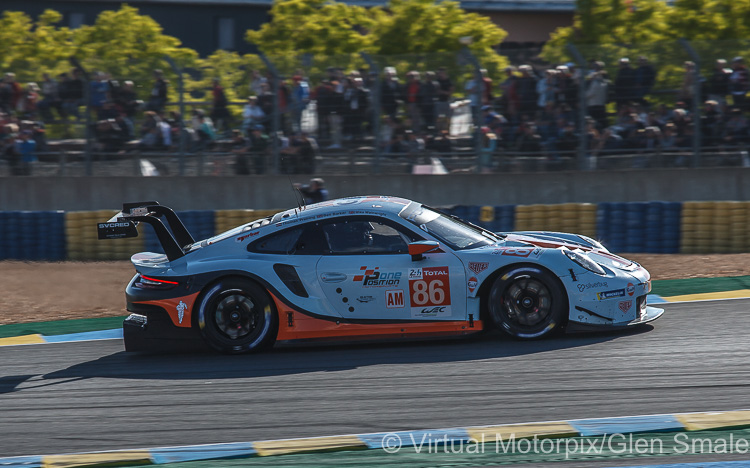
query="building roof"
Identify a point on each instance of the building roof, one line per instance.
(563, 6)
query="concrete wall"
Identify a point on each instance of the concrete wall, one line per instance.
(267, 192)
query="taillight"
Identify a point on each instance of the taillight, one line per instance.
(146, 282)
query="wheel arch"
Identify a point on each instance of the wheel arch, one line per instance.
(223, 276)
(486, 287)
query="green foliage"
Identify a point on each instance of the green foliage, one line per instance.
(609, 29)
(420, 26)
(128, 45)
(406, 34)
(315, 26)
(30, 47)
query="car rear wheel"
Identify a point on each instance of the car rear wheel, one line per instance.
(527, 303)
(236, 316)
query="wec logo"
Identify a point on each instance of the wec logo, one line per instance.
(433, 310)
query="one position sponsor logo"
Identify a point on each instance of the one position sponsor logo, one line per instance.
(394, 299)
(610, 294)
(181, 308)
(599, 284)
(374, 278)
(430, 294)
(478, 267)
(631, 289)
(472, 284)
(625, 306)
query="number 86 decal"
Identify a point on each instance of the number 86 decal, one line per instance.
(432, 289)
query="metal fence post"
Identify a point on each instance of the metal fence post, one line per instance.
(581, 63)
(376, 107)
(276, 118)
(695, 105)
(181, 91)
(476, 112)
(87, 118)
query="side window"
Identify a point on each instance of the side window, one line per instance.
(279, 243)
(366, 236)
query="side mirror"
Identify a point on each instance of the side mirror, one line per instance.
(418, 249)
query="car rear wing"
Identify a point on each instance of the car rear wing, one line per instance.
(124, 224)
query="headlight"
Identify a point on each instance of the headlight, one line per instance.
(585, 262)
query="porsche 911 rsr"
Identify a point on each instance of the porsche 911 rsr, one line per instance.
(369, 267)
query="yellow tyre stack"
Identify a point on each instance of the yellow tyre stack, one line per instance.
(568, 213)
(74, 222)
(83, 241)
(689, 228)
(586, 220)
(552, 218)
(738, 220)
(523, 218)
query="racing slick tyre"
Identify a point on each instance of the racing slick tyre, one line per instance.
(527, 303)
(236, 316)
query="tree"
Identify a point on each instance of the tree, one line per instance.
(426, 26)
(32, 48)
(319, 27)
(406, 34)
(128, 45)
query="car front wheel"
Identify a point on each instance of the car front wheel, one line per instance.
(527, 303)
(236, 316)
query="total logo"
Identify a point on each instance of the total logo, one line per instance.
(630, 289)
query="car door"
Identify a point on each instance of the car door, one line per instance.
(369, 275)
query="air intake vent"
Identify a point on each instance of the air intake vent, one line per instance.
(288, 275)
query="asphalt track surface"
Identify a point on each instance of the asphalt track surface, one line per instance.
(75, 397)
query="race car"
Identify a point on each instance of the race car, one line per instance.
(368, 267)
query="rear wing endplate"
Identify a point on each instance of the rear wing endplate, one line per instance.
(124, 224)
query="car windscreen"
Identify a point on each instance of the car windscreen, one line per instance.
(452, 231)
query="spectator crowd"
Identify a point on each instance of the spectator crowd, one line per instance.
(530, 112)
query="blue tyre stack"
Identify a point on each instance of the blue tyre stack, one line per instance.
(670, 227)
(653, 222)
(199, 223)
(504, 218)
(55, 249)
(459, 210)
(635, 227)
(616, 234)
(9, 235)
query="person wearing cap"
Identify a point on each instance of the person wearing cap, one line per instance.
(252, 114)
(738, 83)
(314, 192)
(718, 83)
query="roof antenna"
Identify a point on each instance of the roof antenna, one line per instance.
(295, 190)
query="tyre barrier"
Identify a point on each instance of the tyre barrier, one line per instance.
(32, 235)
(715, 227)
(199, 223)
(649, 227)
